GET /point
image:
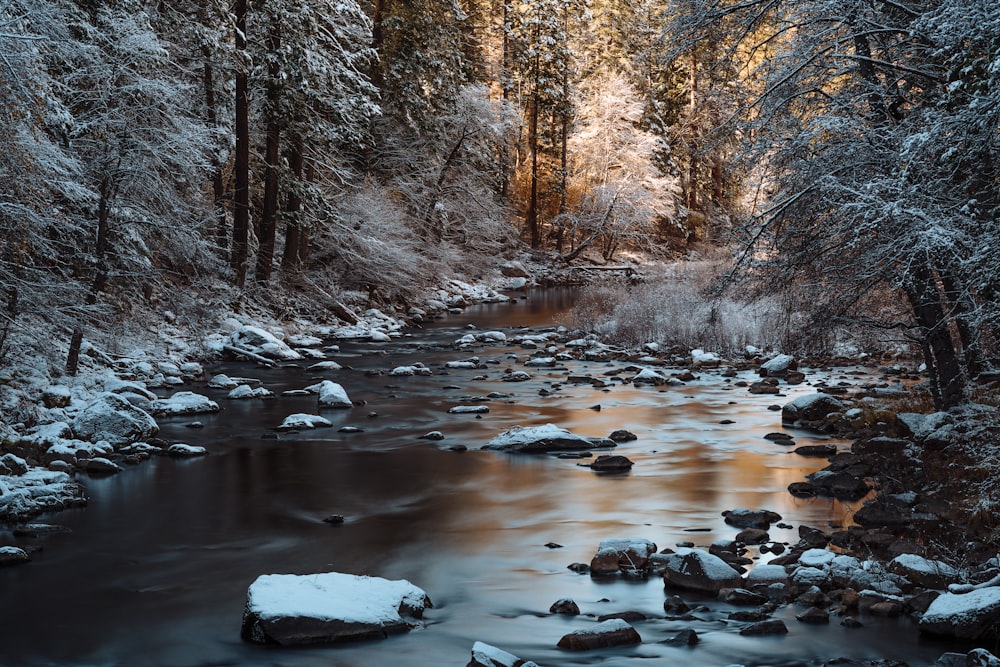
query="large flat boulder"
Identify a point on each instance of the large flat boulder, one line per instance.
(621, 554)
(331, 394)
(112, 418)
(184, 403)
(811, 409)
(540, 439)
(291, 610)
(972, 615)
(614, 632)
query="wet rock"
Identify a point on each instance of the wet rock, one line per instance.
(803, 490)
(433, 435)
(676, 606)
(627, 616)
(779, 438)
(334, 519)
(621, 435)
(813, 616)
(686, 637)
(699, 570)
(13, 556)
(814, 597)
(822, 451)
(763, 388)
(813, 537)
(621, 554)
(540, 439)
(851, 622)
(744, 616)
(292, 610)
(886, 608)
(980, 657)
(485, 655)
(750, 518)
(972, 615)
(565, 606)
(579, 568)
(611, 463)
(752, 536)
(100, 466)
(840, 485)
(764, 628)
(741, 596)
(516, 376)
(603, 635)
(184, 451)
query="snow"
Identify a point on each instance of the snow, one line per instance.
(523, 435)
(541, 361)
(181, 449)
(778, 364)
(264, 343)
(325, 366)
(245, 391)
(699, 357)
(468, 409)
(767, 574)
(491, 656)
(37, 490)
(406, 371)
(605, 627)
(331, 395)
(649, 376)
(954, 608)
(462, 364)
(302, 420)
(222, 381)
(923, 565)
(332, 596)
(816, 558)
(638, 545)
(714, 567)
(184, 403)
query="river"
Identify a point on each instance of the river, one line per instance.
(154, 571)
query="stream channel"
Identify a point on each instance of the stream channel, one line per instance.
(154, 571)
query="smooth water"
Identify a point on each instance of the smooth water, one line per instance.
(155, 570)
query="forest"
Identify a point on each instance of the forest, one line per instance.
(198, 155)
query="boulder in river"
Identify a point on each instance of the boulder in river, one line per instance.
(621, 554)
(262, 343)
(539, 439)
(484, 655)
(112, 418)
(743, 517)
(699, 570)
(606, 634)
(610, 463)
(811, 409)
(184, 403)
(290, 610)
(972, 615)
(778, 366)
(331, 395)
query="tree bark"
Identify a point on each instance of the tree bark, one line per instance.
(241, 168)
(290, 259)
(940, 355)
(531, 216)
(269, 210)
(218, 184)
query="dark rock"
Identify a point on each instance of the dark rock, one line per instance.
(748, 616)
(565, 606)
(886, 608)
(741, 596)
(748, 518)
(13, 556)
(803, 490)
(621, 555)
(627, 616)
(687, 637)
(980, 657)
(484, 655)
(701, 571)
(840, 485)
(779, 438)
(811, 409)
(579, 568)
(763, 388)
(621, 435)
(752, 536)
(334, 519)
(611, 633)
(769, 627)
(611, 463)
(813, 598)
(100, 466)
(813, 616)
(851, 622)
(826, 450)
(553, 545)
(675, 606)
(813, 537)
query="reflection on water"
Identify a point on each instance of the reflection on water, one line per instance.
(156, 568)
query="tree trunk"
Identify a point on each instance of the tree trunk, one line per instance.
(241, 168)
(218, 184)
(940, 355)
(269, 210)
(290, 264)
(101, 275)
(531, 216)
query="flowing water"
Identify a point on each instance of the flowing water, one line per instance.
(154, 571)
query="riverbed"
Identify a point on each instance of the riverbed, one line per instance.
(154, 571)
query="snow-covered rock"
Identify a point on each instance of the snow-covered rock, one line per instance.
(56, 396)
(923, 571)
(541, 362)
(290, 609)
(222, 381)
(484, 655)
(613, 632)
(971, 615)
(71, 450)
(705, 359)
(816, 558)
(37, 491)
(621, 554)
(778, 366)
(13, 556)
(649, 376)
(264, 343)
(699, 570)
(331, 395)
(325, 366)
(304, 340)
(184, 403)
(406, 371)
(535, 439)
(182, 450)
(767, 574)
(301, 420)
(112, 418)
(246, 391)
(468, 409)
(811, 408)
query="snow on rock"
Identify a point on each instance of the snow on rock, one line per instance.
(972, 615)
(184, 403)
(379, 336)
(111, 417)
(325, 366)
(71, 450)
(331, 395)
(481, 337)
(614, 632)
(181, 450)
(13, 556)
(467, 364)
(37, 491)
(289, 610)
(699, 570)
(408, 371)
(246, 391)
(649, 376)
(301, 420)
(811, 408)
(484, 655)
(621, 554)
(816, 558)
(535, 439)
(468, 409)
(541, 362)
(767, 574)
(264, 343)
(56, 396)
(304, 340)
(923, 571)
(702, 358)
(222, 381)
(12, 465)
(778, 366)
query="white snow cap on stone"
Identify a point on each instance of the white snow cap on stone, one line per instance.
(331, 394)
(700, 356)
(184, 403)
(302, 420)
(332, 596)
(491, 656)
